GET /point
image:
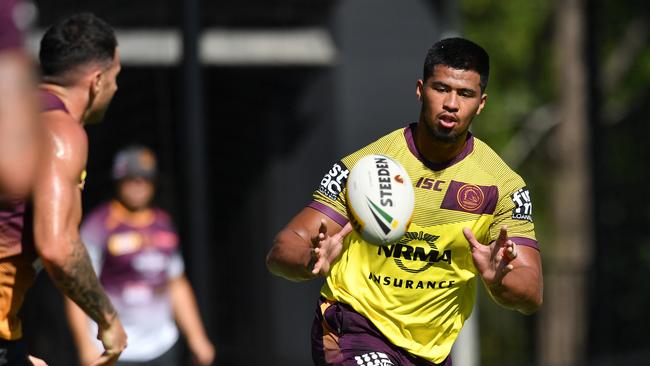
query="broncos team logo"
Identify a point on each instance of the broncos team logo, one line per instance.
(470, 197)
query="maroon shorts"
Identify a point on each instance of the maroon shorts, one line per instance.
(342, 337)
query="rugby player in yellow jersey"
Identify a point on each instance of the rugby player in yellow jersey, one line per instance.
(404, 304)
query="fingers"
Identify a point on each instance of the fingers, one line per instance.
(322, 232)
(503, 234)
(319, 261)
(511, 250)
(326, 249)
(510, 253)
(502, 242)
(345, 230)
(322, 229)
(321, 267)
(469, 235)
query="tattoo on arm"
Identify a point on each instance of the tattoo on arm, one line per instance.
(78, 281)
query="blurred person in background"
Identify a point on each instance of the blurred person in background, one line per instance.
(391, 305)
(79, 61)
(134, 249)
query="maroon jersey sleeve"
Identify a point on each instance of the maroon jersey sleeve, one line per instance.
(10, 35)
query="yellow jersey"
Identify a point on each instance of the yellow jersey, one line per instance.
(420, 290)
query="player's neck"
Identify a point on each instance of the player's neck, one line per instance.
(74, 99)
(122, 214)
(133, 210)
(437, 151)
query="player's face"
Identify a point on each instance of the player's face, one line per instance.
(135, 193)
(105, 90)
(450, 100)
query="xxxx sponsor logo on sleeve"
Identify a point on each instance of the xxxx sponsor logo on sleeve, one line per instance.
(334, 180)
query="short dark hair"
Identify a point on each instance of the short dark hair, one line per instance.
(77, 40)
(458, 53)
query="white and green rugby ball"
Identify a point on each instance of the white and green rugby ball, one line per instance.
(380, 199)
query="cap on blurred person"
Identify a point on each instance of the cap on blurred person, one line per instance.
(135, 162)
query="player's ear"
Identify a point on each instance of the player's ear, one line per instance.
(96, 80)
(482, 105)
(418, 89)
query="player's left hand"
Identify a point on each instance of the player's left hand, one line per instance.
(492, 261)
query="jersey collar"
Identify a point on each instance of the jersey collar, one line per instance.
(120, 214)
(51, 102)
(410, 142)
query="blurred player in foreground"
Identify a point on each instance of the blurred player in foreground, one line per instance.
(18, 109)
(79, 62)
(134, 249)
(19, 135)
(404, 304)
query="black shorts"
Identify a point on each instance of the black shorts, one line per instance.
(13, 353)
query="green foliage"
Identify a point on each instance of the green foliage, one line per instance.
(613, 20)
(517, 37)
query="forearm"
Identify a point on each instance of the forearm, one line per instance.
(186, 311)
(291, 256)
(521, 290)
(74, 276)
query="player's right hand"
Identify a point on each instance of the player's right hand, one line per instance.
(327, 248)
(113, 339)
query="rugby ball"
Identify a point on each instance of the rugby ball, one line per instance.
(380, 199)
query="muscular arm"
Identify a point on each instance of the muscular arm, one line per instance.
(57, 213)
(291, 254)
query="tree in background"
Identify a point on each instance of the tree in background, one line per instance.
(532, 117)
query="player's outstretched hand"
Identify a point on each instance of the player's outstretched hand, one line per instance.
(327, 248)
(492, 261)
(113, 339)
(37, 361)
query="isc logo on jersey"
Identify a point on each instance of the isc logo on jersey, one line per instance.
(380, 199)
(333, 182)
